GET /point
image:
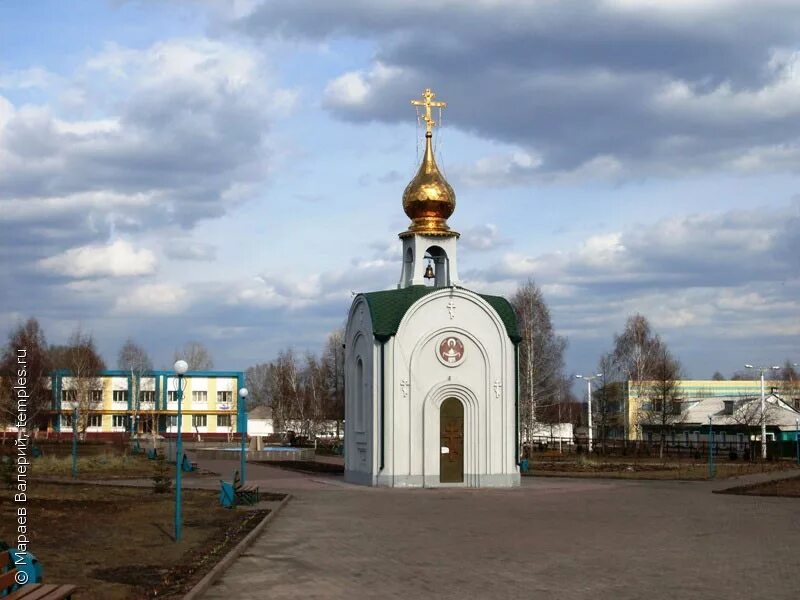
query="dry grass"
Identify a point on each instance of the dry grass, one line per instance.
(102, 466)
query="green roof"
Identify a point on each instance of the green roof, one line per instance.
(389, 307)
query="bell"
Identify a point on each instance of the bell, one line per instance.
(429, 272)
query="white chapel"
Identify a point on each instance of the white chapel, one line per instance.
(431, 367)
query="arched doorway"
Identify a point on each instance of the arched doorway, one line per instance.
(451, 440)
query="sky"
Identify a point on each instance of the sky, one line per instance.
(231, 172)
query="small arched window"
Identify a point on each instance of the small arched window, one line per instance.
(360, 395)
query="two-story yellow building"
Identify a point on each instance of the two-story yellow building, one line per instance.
(120, 402)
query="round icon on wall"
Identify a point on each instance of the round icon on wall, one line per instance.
(451, 351)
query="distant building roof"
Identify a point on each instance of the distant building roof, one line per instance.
(390, 306)
(704, 388)
(697, 410)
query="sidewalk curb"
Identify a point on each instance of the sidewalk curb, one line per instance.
(218, 569)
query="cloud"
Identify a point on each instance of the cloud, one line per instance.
(597, 89)
(119, 259)
(723, 281)
(482, 237)
(178, 134)
(185, 249)
(711, 250)
(153, 299)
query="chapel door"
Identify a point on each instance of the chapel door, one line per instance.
(451, 434)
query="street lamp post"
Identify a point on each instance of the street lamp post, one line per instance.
(763, 370)
(243, 431)
(711, 469)
(589, 379)
(181, 366)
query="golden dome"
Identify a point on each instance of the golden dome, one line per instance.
(429, 200)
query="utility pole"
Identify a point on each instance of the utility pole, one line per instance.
(763, 370)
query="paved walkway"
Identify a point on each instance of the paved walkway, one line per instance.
(552, 538)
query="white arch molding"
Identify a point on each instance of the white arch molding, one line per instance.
(431, 435)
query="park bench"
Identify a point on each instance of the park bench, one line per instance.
(231, 494)
(10, 589)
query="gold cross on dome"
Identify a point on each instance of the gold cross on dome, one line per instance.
(428, 102)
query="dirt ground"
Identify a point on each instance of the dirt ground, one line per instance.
(306, 466)
(117, 542)
(649, 469)
(787, 488)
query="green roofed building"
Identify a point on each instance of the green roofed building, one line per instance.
(431, 367)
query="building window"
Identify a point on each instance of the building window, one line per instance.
(66, 421)
(69, 396)
(223, 420)
(172, 422)
(118, 421)
(95, 421)
(171, 397)
(199, 420)
(199, 397)
(97, 396)
(120, 396)
(224, 397)
(360, 395)
(147, 396)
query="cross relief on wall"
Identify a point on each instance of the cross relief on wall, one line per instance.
(451, 309)
(498, 388)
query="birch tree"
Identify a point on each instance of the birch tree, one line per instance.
(662, 408)
(333, 370)
(135, 360)
(635, 353)
(541, 355)
(81, 359)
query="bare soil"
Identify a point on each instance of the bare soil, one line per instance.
(786, 488)
(117, 543)
(648, 469)
(306, 466)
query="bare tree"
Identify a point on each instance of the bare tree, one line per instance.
(635, 353)
(284, 404)
(789, 388)
(196, 355)
(261, 384)
(541, 356)
(748, 416)
(134, 359)
(81, 359)
(26, 362)
(333, 371)
(717, 376)
(607, 400)
(662, 406)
